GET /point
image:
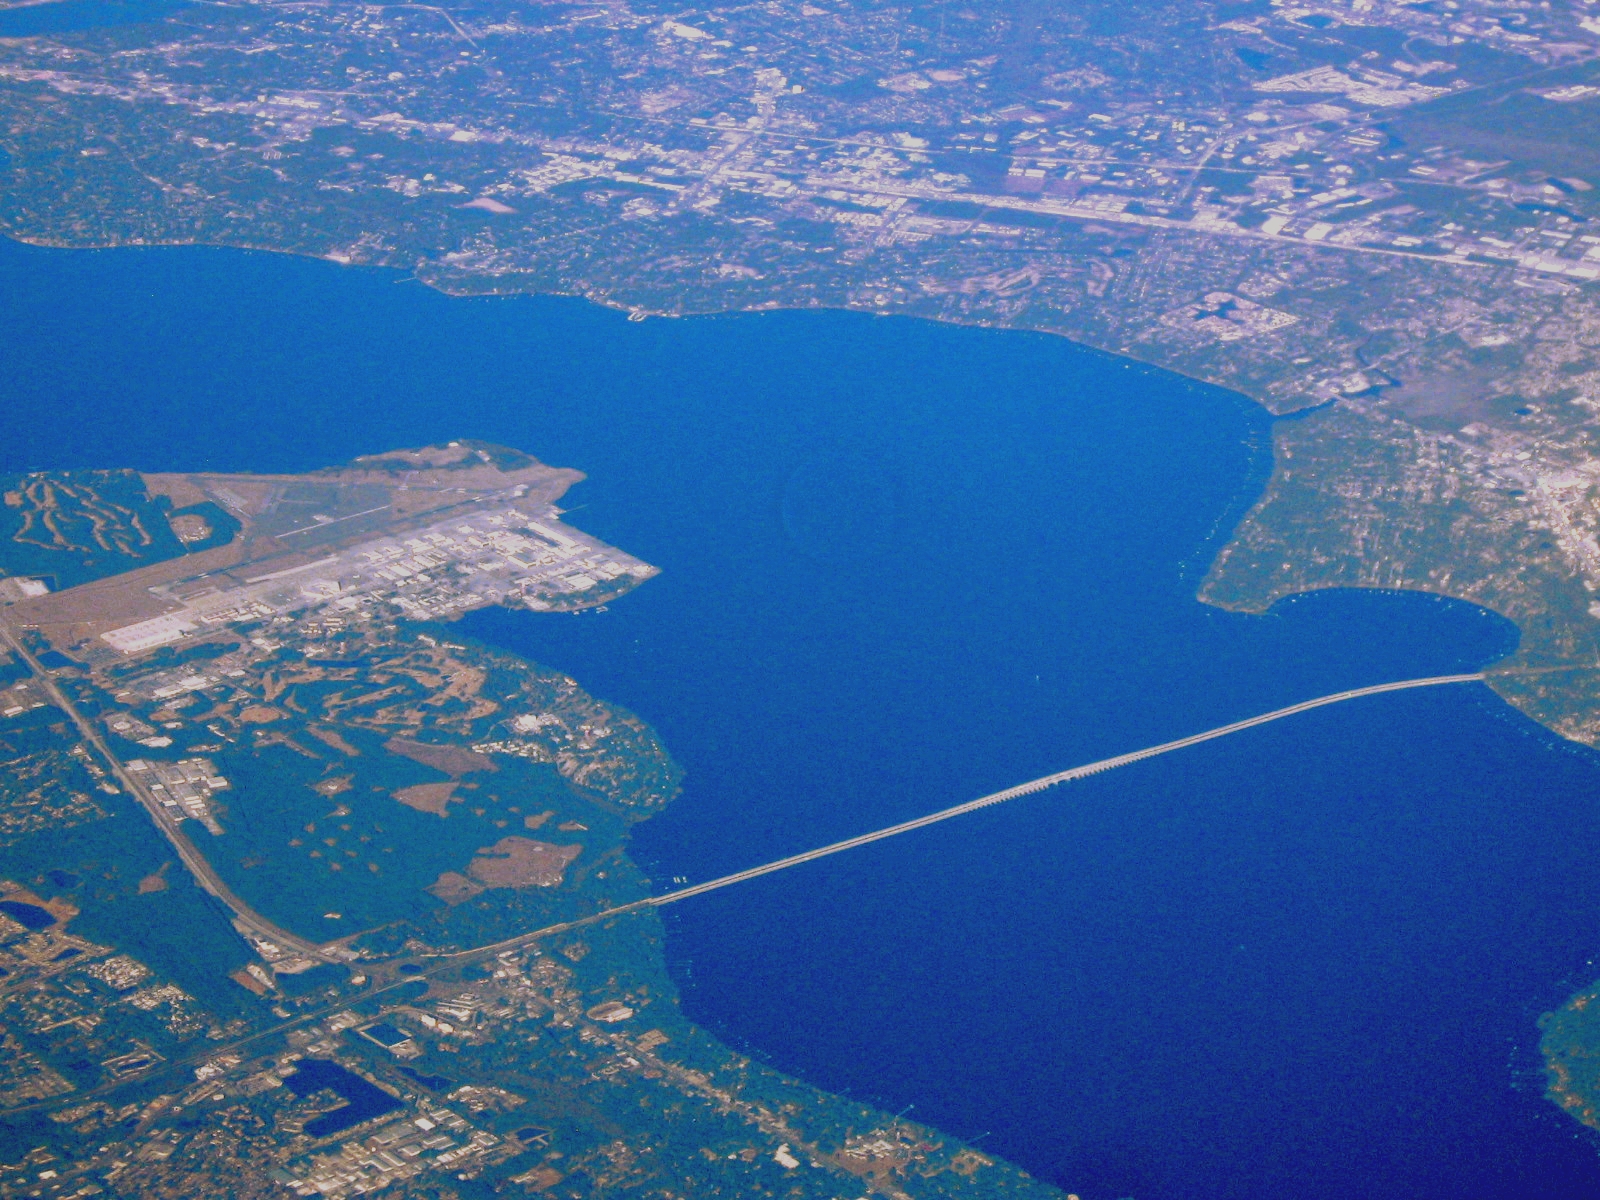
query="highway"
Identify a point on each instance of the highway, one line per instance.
(1083, 211)
(261, 927)
(446, 962)
(945, 814)
(191, 858)
(1050, 781)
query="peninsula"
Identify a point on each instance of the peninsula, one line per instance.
(1374, 214)
(260, 670)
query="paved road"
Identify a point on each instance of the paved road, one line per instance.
(191, 858)
(1011, 793)
(248, 917)
(448, 962)
(1050, 781)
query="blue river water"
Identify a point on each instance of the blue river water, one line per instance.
(68, 16)
(904, 565)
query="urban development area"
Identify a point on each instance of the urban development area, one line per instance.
(317, 893)
(1375, 214)
(1376, 217)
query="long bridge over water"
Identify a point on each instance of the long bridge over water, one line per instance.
(248, 918)
(959, 810)
(446, 962)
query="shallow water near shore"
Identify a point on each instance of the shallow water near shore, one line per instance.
(904, 565)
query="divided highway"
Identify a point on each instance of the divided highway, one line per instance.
(192, 859)
(248, 918)
(445, 962)
(1050, 781)
(946, 814)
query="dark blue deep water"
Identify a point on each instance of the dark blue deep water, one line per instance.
(68, 16)
(29, 916)
(362, 1100)
(905, 565)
